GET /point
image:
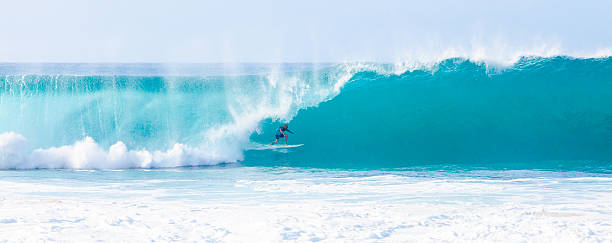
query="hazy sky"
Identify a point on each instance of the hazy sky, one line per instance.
(289, 31)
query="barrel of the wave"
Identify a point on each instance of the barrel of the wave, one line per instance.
(550, 113)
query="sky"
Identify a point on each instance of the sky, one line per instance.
(297, 31)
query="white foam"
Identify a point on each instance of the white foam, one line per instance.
(87, 154)
(13, 149)
(272, 207)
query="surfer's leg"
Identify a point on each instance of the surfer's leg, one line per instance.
(286, 137)
(275, 141)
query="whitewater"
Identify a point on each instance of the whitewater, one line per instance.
(451, 149)
(306, 205)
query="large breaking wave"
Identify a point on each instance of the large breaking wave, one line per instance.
(452, 111)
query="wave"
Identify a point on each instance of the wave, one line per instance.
(542, 113)
(458, 109)
(204, 119)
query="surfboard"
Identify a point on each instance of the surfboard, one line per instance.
(286, 146)
(278, 146)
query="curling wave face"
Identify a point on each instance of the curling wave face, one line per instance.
(549, 113)
(353, 114)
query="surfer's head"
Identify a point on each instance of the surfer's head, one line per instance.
(286, 126)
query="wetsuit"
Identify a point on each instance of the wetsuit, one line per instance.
(279, 132)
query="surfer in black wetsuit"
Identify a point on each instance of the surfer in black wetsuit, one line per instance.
(280, 132)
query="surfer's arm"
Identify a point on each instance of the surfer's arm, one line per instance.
(290, 131)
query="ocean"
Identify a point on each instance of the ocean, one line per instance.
(451, 150)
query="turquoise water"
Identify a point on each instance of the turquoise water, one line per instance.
(456, 150)
(539, 113)
(551, 113)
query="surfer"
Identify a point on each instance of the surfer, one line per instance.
(280, 132)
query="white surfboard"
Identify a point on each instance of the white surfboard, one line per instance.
(278, 146)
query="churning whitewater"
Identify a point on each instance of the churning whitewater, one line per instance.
(457, 110)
